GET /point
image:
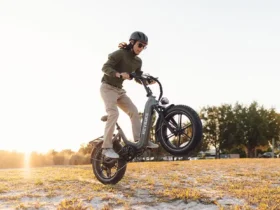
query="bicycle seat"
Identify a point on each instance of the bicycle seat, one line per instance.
(104, 118)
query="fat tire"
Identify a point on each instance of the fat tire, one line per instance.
(196, 137)
(96, 153)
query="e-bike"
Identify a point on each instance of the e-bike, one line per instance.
(178, 129)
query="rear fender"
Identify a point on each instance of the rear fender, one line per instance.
(94, 143)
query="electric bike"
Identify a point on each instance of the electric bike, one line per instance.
(178, 129)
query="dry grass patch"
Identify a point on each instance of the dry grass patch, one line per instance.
(225, 184)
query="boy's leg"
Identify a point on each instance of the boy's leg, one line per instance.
(109, 96)
(125, 103)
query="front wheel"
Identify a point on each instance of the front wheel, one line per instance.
(107, 170)
(180, 131)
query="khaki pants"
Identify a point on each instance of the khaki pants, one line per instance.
(113, 98)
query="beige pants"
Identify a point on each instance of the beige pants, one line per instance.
(113, 98)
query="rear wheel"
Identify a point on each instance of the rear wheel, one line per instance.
(185, 131)
(108, 170)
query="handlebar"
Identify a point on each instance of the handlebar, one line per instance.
(149, 79)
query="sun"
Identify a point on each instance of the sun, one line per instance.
(27, 159)
(26, 150)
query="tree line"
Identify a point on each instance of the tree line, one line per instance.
(12, 159)
(232, 128)
(246, 130)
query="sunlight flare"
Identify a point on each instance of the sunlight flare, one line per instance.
(27, 160)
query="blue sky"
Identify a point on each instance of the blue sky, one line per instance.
(52, 52)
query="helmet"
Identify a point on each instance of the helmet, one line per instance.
(139, 36)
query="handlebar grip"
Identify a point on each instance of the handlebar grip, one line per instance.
(149, 80)
(132, 75)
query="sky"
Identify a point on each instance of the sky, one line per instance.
(204, 53)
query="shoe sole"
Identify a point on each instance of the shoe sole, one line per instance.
(110, 157)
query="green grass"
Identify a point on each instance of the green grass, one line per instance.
(252, 183)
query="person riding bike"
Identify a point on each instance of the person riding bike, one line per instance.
(116, 69)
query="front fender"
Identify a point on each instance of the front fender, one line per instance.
(160, 117)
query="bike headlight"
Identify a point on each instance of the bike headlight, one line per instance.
(164, 100)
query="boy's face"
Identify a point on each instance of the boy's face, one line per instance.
(138, 47)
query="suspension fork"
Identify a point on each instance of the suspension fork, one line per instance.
(161, 116)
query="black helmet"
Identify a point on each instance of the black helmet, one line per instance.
(139, 36)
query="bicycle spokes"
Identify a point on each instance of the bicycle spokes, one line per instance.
(182, 130)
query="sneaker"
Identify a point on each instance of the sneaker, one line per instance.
(151, 145)
(110, 153)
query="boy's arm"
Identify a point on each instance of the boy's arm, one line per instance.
(109, 65)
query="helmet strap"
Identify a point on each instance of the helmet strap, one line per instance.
(132, 46)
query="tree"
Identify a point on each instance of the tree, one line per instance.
(273, 127)
(85, 149)
(227, 128)
(67, 152)
(239, 127)
(255, 126)
(214, 125)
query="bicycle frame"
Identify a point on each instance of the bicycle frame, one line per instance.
(145, 127)
(150, 107)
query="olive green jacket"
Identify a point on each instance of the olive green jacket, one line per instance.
(120, 61)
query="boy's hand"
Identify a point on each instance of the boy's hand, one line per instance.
(125, 75)
(150, 82)
(122, 45)
(153, 82)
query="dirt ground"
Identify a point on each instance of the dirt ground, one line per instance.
(198, 184)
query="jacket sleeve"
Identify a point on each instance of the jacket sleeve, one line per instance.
(109, 66)
(139, 72)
